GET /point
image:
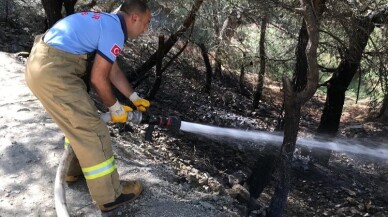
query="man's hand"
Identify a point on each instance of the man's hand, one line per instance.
(140, 103)
(119, 112)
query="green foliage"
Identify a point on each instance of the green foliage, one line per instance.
(282, 35)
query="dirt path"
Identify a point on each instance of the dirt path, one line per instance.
(30, 150)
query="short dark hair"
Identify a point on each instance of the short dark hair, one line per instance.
(130, 6)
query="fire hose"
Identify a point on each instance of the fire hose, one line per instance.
(170, 123)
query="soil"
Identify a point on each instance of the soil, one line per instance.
(183, 174)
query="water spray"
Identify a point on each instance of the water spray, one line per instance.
(175, 124)
(260, 137)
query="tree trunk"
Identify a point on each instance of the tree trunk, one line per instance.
(69, 6)
(260, 82)
(6, 11)
(243, 89)
(230, 25)
(262, 172)
(159, 72)
(292, 118)
(338, 84)
(300, 71)
(208, 66)
(293, 100)
(383, 114)
(53, 10)
(218, 63)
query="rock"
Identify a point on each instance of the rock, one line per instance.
(203, 181)
(206, 205)
(351, 200)
(192, 178)
(353, 210)
(233, 180)
(348, 191)
(240, 193)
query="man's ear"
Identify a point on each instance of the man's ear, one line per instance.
(135, 17)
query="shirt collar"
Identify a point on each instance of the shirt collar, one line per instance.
(123, 26)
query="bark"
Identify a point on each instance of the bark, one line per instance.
(208, 66)
(53, 10)
(143, 69)
(69, 6)
(243, 89)
(6, 11)
(338, 84)
(217, 59)
(300, 72)
(293, 100)
(159, 71)
(215, 17)
(218, 64)
(383, 114)
(260, 83)
(226, 33)
(262, 172)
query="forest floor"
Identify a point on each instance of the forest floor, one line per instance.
(184, 174)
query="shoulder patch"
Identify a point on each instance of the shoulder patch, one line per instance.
(115, 50)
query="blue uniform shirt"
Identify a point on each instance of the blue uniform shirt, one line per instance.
(87, 32)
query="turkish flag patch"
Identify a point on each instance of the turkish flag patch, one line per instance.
(115, 50)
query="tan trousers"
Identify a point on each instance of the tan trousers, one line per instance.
(54, 77)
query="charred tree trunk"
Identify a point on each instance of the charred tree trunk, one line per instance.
(383, 114)
(53, 10)
(292, 118)
(338, 84)
(260, 82)
(143, 69)
(208, 66)
(6, 11)
(242, 75)
(243, 89)
(293, 100)
(218, 63)
(262, 172)
(69, 6)
(159, 71)
(300, 72)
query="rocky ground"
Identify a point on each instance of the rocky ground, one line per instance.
(184, 174)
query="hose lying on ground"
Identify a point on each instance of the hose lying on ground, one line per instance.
(59, 186)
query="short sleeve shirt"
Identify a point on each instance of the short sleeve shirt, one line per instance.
(88, 32)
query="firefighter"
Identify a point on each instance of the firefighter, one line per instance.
(54, 72)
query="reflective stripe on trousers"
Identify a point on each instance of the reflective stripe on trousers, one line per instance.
(100, 170)
(66, 143)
